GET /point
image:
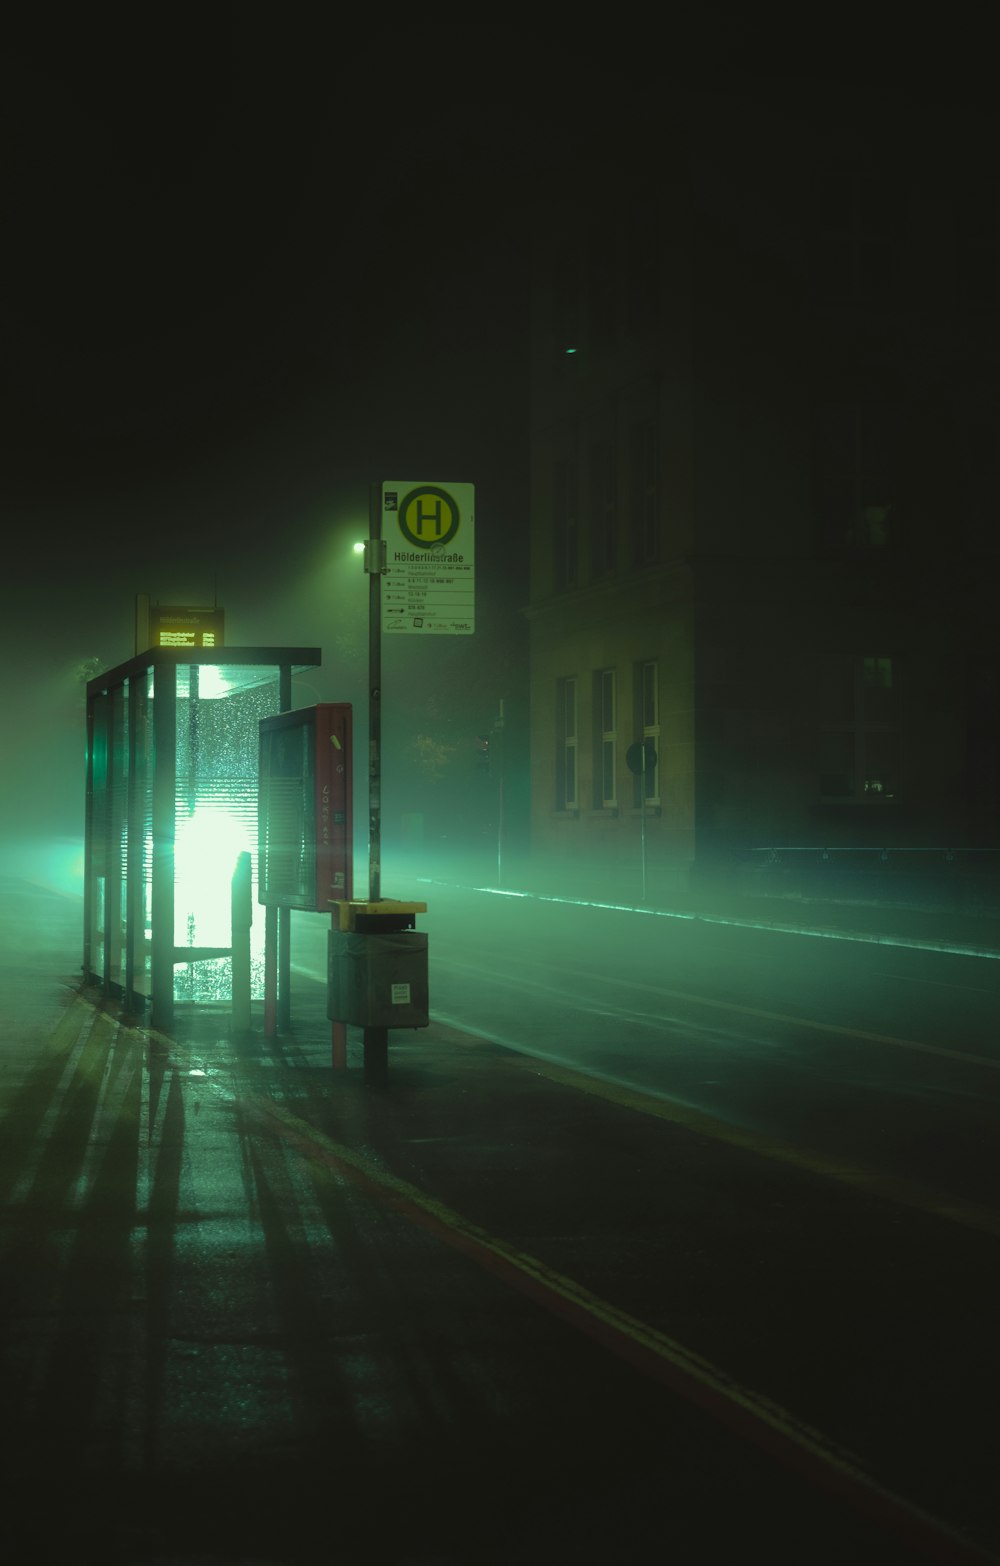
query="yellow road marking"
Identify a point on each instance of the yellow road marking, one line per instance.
(685, 1371)
(784, 1019)
(887, 1187)
(837, 1028)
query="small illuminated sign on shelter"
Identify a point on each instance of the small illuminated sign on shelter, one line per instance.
(176, 626)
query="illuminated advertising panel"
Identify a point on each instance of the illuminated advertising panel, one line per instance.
(304, 808)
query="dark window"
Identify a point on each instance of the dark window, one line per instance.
(645, 500)
(605, 739)
(565, 524)
(859, 240)
(983, 463)
(603, 288)
(566, 304)
(642, 273)
(857, 475)
(979, 252)
(566, 747)
(603, 507)
(859, 735)
(647, 727)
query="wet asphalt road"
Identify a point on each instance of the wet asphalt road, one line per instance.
(681, 1279)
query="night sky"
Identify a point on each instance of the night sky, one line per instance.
(252, 264)
(255, 261)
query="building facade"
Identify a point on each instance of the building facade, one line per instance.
(764, 503)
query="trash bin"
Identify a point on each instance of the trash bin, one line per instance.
(377, 980)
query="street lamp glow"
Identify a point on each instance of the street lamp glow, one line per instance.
(359, 548)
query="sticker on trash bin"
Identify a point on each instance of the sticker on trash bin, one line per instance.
(400, 994)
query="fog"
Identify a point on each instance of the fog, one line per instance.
(220, 341)
(252, 269)
(226, 326)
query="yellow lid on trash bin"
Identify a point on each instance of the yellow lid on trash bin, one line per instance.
(347, 913)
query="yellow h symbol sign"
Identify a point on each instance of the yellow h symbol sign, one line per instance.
(428, 516)
(428, 510)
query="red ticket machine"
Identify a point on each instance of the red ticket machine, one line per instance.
(305, 832)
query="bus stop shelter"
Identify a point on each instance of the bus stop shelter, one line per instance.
(171, 805)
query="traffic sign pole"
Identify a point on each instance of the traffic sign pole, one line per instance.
(640, 758)
(642, 800)
(498, 726)
(375, 566)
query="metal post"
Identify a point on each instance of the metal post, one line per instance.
(108, 900)
(242, 921)
(270, 971)
(164, 808)
(338, 1030)
(135, 903)
(642, 815)
(284, 969)
(374, 565)
(281, 927)
(500, 766)
(375, 1040)
(88, 840)
(117, 817)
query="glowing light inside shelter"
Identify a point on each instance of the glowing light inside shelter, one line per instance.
(207, 845)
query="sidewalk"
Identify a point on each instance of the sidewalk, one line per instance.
(256, 1313)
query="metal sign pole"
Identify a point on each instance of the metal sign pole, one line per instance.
(640, 758)
(375, 566)
(498, 726)
(642, 818)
